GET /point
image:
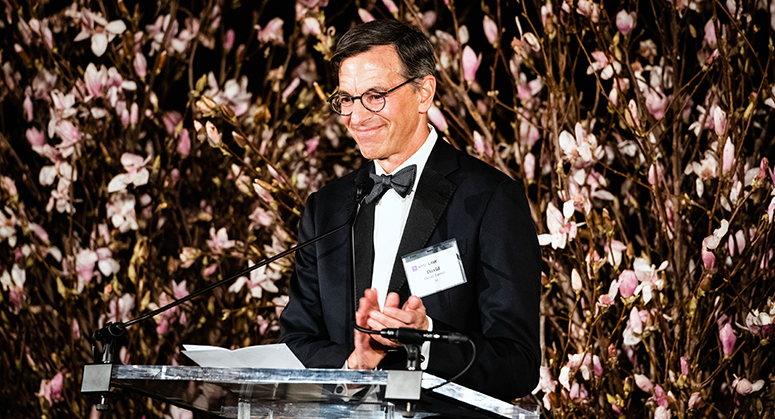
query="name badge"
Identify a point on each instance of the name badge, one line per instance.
(433, 269)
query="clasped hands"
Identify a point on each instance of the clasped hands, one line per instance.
(371, 349)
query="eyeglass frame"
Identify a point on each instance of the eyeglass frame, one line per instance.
(331, 98)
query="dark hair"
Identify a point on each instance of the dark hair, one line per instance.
(413, 47)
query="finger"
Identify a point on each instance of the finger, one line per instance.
(402, 319)
(413, 303)
(402, 316)
(392, 300)
(386, 342)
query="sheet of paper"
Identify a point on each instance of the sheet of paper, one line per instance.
(260, 356)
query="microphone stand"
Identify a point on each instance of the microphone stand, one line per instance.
(113, 331)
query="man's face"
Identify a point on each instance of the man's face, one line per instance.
(393, 134)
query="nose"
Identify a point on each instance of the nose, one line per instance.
(360, 113)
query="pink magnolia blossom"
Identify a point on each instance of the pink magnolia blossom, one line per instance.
(634, 327)
(643, 383)
(70, 135)
(710, 34)
(744, 387)
(660, 397)
(84, 267)
(625, 22)
(614, 252)
(310, 26)
(695, 399)
(184, 143)
(260, 217)
(279, 304)
(312, 144)
(481, 145)
(684, 366)
(262, 193)
(656, 102)
(527, 90)
(140, 64)
(561, 229)
(708, 258)
(291, 87)
(428, 19)
(219, 241)
(756, 321)
(728, 159)
(60, 198)
(96, 27)
(719, 120)
(188, 256)
(728, 339)
(529, 166)
(180, 413)
(628, 283)
(632, 108)
(589, 9)
(649, 278)
(29, 111)
(179, 289)
(365, 16)
(51, 390)
(121, 211)
(263, 324)
(547, 385)
(136, 174)
(490, 29)
(711, 242)
(606, 63)
(105, 262)
(9, 185)
(390, 6)
(119, 310)
(36, 138)
(471, 63)
(577, 391)
(575, 280)
(736, 243)
(607, 300)
(437, 118)
(234, 94)
(263, 279)
(583, 145)
(662, 412)
(272, 32)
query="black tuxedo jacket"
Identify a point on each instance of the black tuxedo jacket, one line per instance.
(457, 197)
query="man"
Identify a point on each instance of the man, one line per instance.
(388, 67)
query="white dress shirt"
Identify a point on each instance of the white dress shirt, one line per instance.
(390, 217)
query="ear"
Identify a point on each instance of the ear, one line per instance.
(427, 92)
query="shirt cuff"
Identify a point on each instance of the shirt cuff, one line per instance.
(425, 349)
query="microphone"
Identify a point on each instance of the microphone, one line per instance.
(363, 185)
(408, 335)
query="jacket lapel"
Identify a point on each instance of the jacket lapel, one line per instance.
(433, 194)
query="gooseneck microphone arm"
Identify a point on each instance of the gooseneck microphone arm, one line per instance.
(112, 331)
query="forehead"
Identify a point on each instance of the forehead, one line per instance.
(379, 67)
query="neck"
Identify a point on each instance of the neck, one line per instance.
(390, 163)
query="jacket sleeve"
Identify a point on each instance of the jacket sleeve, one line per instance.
(508, 286)
(302, 325)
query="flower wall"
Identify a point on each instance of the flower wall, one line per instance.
(150, 150)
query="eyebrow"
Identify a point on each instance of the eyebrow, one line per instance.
(371, 89)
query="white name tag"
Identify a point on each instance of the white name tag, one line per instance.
(433, 269)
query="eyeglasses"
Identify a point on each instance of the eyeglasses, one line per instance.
(372, 100)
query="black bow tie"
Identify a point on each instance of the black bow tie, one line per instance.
(401, 182)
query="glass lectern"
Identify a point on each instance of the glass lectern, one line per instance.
(244, 393)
